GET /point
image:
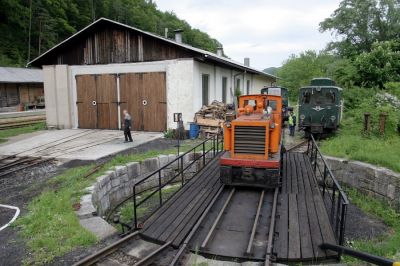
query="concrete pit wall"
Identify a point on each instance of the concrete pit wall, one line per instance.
(377, 181)
(116, 185)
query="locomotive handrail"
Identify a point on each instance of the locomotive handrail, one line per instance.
(334, 197)
(216, 142)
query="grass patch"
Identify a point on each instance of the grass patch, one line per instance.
(387, 245)
(352, 145)
(126, 211)
(7, 133)
(51, 228)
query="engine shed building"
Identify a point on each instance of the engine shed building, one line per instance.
(20, 86)
(106, 67)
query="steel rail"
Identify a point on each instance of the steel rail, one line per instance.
(210, 233)
(92, 259)
(152, 254)
(196, 227)
(271, 229)
(15, 162)
(38, 161)
(297, 145)
(253, 231)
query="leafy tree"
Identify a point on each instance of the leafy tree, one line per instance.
(359, 23)
(379, 66)
(298, 70)
(55, 20)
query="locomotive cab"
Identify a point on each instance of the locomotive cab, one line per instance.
(252, 143)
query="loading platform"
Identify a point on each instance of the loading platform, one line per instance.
(302, 221)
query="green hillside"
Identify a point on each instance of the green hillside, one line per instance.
(51, 21)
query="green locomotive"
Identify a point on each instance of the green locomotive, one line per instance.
(320, 106)
(284, 93)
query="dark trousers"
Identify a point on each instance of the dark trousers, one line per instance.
(127, 133)
(291, 130)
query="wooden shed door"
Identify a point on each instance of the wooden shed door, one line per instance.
(86, 94)
(144, 96)
(107, 101)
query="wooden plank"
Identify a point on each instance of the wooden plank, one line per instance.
(289, 173)
(185, 226)
(188, 188)
(293, 172)
(155, 111)
(305, 232)
(284, 173)
(131, 95)
(294, 230)
(281, 242)
(316, 235)
(165, 221)
(106, 91)
(86, 93)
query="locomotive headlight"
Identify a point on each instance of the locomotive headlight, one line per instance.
(333, 118)
(302, 116)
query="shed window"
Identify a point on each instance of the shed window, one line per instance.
(205, 86)
(237, 84)
(224, 88)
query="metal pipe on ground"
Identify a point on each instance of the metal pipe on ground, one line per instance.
(360, 255)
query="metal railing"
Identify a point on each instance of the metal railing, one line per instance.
(202, 154)
(335, 199)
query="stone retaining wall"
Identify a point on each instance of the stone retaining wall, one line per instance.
(117, 184)
(373, 180)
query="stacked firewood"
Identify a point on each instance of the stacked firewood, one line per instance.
(211, 118)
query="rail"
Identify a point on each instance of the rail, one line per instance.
(335, 199)
(207, 149)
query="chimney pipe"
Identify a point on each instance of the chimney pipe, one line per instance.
(178, 35)
(166, 33)
(220, 51)
(247, 61)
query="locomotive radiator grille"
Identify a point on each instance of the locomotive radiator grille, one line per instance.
(249, 139)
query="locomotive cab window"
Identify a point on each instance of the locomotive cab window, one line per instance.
(306, 97)
(250, 102)
(330, 97)
(271, 103)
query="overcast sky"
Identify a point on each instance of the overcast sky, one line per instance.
(267, 31)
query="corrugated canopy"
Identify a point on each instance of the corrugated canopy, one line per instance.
(20, 75)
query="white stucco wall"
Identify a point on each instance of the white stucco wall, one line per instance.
(260, 82)
(57, 96)
(179, 83)
(183, 84)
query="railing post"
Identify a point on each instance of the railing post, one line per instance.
(315, 160)
(333, 205)
(134, 207)
(338, 212)
(159, 187)
(181, 171)
(217, 143)
(204, 153)
(324, 185)
(342, 224)
(213, 146)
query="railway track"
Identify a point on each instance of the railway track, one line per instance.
(267, 202)
(12, 164)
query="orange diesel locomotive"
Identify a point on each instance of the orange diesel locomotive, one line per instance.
(252, 143)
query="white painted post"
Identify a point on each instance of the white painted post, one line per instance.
(119, 103)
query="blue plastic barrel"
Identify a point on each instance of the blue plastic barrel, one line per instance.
(193, 131)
